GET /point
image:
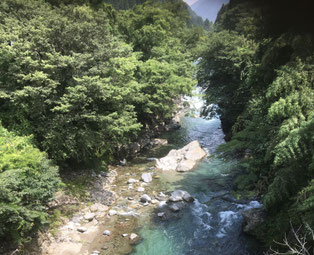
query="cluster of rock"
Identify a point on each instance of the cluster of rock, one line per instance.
(166, 205)
(183, 159)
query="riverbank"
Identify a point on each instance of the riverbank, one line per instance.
(87, 193)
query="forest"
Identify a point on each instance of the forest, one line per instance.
(257, 70)
(78, 81)
(81, 79)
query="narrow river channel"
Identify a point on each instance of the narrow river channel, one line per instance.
(212, 224)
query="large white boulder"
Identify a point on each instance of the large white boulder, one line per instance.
(183, 159)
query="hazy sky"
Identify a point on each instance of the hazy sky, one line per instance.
(207, 9)
(189, 2)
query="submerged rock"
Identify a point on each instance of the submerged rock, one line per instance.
(161, 214)
(183, 159)
(147, 177)
(174, 208)
(159, 141)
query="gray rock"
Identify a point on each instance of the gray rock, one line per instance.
(174, 208)
(131, 180)
(107, 233)
(140, 189)
(145, 198)
(162, 204)
(159, 142)
(112, 212)
(123, 162)
(133, 236)
(161, 214)
(82, 229)
(161, 197)
(188, 198)
(177, 195)
(147, 177)
(89, 216)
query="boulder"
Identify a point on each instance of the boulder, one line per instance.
(180, 195)
(183, 159)
(147, 177)
(145, 198)
(252, 218)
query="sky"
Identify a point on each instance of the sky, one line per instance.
(189, 2)
(207, 9)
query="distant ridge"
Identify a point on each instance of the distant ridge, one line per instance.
(208, 9)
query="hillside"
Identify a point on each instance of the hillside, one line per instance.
(208, 9)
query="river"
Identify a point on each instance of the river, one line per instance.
(212, 224)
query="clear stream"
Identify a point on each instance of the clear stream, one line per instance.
(212, 224)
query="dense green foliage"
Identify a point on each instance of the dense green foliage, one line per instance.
(258, 71)
(83, 80)
(27, 183)
(67, 78)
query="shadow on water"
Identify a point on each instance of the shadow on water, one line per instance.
(212, 224)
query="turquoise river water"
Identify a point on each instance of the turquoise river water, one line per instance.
(212, 224)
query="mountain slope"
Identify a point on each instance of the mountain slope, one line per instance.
(208, 9)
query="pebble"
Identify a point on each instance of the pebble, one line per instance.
(112, 212)
(133, 236)
(140, 189)
(146, 177)
(107, 233)
(145, 198)
(131, 180)
(161, 214)
(125, 235)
